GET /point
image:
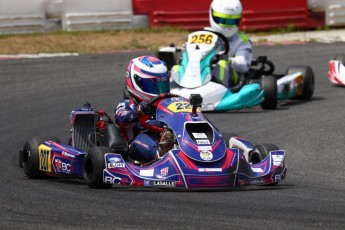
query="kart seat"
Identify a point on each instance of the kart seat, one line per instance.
(113, 139)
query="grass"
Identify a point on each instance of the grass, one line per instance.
(86, 42)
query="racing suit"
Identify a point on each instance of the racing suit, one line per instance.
(240, 58)
(143, 145)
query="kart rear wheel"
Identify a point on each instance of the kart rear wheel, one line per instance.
(260, 152)
(269, 85)
(94, 164)
(227, 136)
(340, 57)
(308, 79)
(29, 156)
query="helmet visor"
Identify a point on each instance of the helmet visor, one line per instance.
(226, 20)
(154, 85)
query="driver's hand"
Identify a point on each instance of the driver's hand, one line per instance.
(144, 108)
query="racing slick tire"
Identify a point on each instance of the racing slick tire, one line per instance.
(269, 85)
(94, 164)
(308, 79)
(260, 152)
(227, 136)
(340, 57)
(29, 156)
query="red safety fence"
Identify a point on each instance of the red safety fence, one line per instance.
(257, 15)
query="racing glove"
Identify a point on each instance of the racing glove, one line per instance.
(144, 108)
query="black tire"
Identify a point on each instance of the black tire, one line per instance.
(308, 79)
(94, 164)
(269, 85)
(29, 156)
(227, 136)
(340, 57)
(260, 152)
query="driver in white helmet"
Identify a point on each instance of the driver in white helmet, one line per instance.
(225, 17)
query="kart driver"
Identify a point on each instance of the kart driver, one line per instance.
(225, 17)
(146, 77)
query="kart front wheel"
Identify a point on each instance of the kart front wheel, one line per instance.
(94, 164)
(260, 152)
(29, 156)
(269, 85)
(308, 81)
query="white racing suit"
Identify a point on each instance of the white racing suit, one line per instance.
(240, 58)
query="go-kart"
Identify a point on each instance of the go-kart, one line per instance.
(194, 153)
(336, 73)
(260, 85)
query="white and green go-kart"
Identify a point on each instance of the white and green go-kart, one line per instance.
(260, 86)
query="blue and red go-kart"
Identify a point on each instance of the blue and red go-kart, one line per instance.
(194, 153)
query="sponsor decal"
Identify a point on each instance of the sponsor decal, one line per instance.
(277, 160)
(257, 170)
(164, 171)
(114, 159)
(210, 170)
(116, 165)
(203, 142)
(206, 155)
(159, 183)
(148, 172)
(112, 180)
(67, 154)
(204, 148)
(256, 181)
(199, 135)
(62, 167)
(44, 154)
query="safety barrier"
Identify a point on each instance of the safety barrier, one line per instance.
(256, 16)
(21, 16)
(178, 13)
(96, 15)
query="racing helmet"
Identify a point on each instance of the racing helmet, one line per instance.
(147, 77)
(225, 16)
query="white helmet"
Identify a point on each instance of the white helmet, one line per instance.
(225, 16)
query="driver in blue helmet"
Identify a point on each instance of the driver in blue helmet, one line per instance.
(225, 17)
(146, 77)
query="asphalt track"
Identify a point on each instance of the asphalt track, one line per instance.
(37, 96)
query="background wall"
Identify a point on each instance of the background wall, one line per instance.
(25, 16)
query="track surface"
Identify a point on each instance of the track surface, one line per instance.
(37, 95)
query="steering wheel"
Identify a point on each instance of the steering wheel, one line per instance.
(224, 41)
(266, 67)
(153, 103)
